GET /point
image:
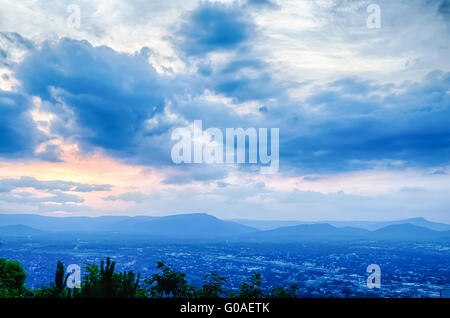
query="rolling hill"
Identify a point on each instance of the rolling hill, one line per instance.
(307, 232)
(196, 225)
(367, 225)
(201, 226)
(407, 232)
(18, 230)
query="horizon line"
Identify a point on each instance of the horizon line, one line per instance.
(224, 219)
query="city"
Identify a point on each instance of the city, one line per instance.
(317, 269)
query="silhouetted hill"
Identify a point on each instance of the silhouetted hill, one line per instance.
(265, 225)
(327, 232)
(422, 222)
(407, 232)
(129, 224)
(307, 232)
(368, 225)
(18, 230)
(206, 227)
(60, 224)
(196, 225)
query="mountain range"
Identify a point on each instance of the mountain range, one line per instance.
(368, 225)
(200, 226)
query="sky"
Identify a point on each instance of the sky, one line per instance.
(91, 92)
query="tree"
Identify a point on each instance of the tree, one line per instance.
(212, 287)
(169, 283)
(57, 289)
(12, 279)
(251, 289)
(60, 278)
(279, 292)
(104, 283)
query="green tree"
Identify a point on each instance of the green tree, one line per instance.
(12, 279)
(169, 283)
(212, 287)
(57, 289)
(103, 282)
(279, 292)
(60, 278)
(251, 289)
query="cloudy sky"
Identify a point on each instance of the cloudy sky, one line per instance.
(90, 92)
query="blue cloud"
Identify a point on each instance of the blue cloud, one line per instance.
(18, 132)
(444, 8)
(132, 197)
(214, 27)
(27, 198)
(111, 94)
(244, 88)
(246, 77)
(199, 172)
(12, 40)
(355, 127)
(51, 153)
(356, 122)
(56, 189)
(7, 185)
(262, 4)
(103, 98)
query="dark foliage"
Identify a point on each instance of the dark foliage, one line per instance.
(104, 282)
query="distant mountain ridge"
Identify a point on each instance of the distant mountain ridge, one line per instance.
(327, 232)
(201, 226)
(368, 225)
(408, 232)
(60, 224)
(197, 225)
(414, 221)
(309, 232)
(18, 230)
